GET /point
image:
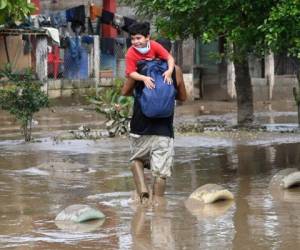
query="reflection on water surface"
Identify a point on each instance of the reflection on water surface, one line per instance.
(31, 197)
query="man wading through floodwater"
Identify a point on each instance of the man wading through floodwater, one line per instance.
(151, 139)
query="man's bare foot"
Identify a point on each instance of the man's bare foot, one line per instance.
(144, 198)
(159, 201)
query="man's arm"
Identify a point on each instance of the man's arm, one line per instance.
(128, 87)
(181, 95)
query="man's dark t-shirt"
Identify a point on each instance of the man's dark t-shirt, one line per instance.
(143, 125)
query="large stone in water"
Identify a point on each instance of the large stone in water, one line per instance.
(291, 180)
(79, 213)
(286, 178)
(210, 193)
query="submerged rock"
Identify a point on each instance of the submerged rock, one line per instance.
(210, 193)
(79, 213)
(63, 166)
(286, 178)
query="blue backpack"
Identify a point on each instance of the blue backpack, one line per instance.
(160, 101)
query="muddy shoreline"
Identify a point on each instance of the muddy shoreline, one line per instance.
(194, 117)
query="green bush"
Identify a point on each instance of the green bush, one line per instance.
(14, 10)
(117, 108)
(22, 98)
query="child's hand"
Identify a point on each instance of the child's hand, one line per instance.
(168, 77)
(149, 82)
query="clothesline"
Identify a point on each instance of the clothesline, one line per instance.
(77, 15)
(15, 32)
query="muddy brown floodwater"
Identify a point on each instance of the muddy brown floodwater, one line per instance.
(31, 196)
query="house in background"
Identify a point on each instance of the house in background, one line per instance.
(206, 75)
(273, 77)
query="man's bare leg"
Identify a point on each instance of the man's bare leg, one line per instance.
(159, 186)
(137, 169)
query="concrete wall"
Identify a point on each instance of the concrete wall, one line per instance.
(282, 89)
(67, 88)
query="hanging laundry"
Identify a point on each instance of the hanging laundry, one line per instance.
(53, 33)
(58, 19)
(118, 21)
(77, 27)
(87, 39)
(75, 60)
(95, 11)
(127, 22)
(107, 17)
(75, 49)
(44, 20)
(76, 14)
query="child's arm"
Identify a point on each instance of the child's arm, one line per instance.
(168, 73)
(163, 54)
(131, 68)
(146, 79)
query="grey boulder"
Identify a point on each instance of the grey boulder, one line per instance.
(286, 178)
(79, 213)
(210, 193)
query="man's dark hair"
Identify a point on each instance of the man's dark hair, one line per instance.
(166, 43)
(139, 29)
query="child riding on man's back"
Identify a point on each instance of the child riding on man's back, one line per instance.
(145, 49)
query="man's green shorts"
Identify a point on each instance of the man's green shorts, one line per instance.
(153, 149)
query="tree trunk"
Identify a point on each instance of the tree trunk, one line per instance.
(298, 106)
(178, 53)
(244, 92)
(230, 77)
(270, 73)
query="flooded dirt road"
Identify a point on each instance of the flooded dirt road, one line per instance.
(31, 195)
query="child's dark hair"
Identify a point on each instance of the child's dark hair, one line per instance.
(139, 29)
(166, 43)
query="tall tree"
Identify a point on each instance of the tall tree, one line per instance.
(252, 26)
